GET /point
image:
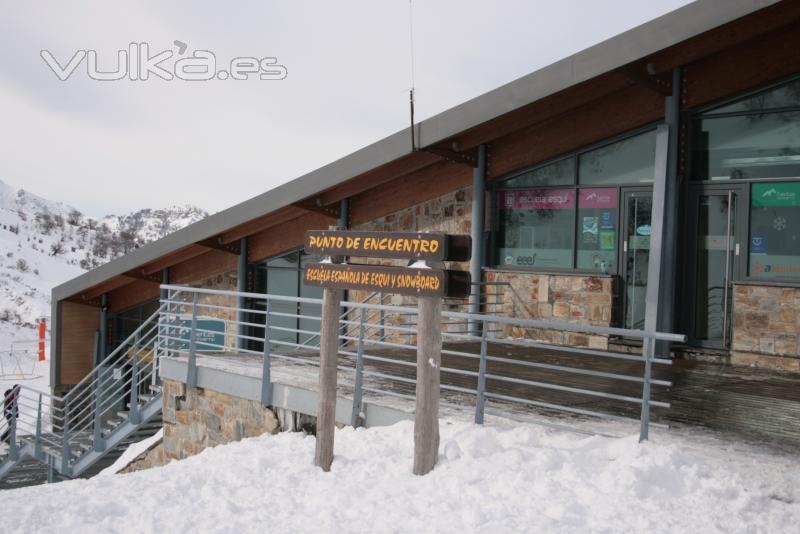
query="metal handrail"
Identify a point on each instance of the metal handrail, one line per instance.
(356, 334)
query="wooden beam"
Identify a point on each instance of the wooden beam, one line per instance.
(181, 255)
(379, 176)
(406, 191)
(617, 113)
(212, 263)
(138, 274)
(284, 237)
(249, 228)
(215, 242)
(105, 287)
(128, 296)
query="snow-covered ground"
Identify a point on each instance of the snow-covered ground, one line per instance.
(503, 477)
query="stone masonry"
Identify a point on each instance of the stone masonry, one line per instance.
(766, 326)
(196, 418)
(562, 298)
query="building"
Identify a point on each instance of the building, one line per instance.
(552, 175)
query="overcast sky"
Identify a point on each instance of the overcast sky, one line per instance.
(114, 146)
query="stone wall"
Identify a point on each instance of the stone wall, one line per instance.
(196, 418)
(766, 326)
(228, 282)
(550, 297)
(451, 214)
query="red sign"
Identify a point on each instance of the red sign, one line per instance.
(605, 197)
(538, 199)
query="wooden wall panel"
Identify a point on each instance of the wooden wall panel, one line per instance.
(431, 182)
(209, 264)
(78, 326)
(135, 293)
(614, 114)
(285, 236)
(748, 66)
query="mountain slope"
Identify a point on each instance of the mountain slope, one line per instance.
(44, 243)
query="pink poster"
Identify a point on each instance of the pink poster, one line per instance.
(605, 197)
(538, 199)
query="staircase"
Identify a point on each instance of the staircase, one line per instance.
(55, 438)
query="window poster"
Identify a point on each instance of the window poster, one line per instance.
(774, 246)
(590, 230)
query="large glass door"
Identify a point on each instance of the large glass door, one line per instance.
(715, 229)
(637, 209)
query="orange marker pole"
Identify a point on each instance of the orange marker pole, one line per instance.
(42, 336)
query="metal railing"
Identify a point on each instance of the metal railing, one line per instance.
(68, 432)
(479, 369)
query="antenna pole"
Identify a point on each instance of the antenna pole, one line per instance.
(411, 102)
(411, 91)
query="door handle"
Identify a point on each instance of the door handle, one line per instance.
(736, 249)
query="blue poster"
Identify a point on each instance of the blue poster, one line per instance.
(210, 334)
(758, 245)
(607, 220)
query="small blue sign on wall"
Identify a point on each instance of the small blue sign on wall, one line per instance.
(210, 335)
(758, 245)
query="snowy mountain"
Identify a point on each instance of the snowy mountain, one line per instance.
(44, 243)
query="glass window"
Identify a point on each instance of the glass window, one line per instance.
(537, 228)
(597, 229)
(630, 161)
(561, 172)
(774, 251)
(762, 145)
(785, 96)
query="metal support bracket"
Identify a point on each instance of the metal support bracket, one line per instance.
(462, 158)
(315, 205)
(644, 76)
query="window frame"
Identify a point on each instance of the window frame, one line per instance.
(693, 118)
(496, 187)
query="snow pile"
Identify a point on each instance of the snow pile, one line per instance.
(131, 453)
(499, 478)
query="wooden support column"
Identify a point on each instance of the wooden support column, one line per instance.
(329, 354)
(429, 360)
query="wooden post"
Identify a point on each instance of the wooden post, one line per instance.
(328, 355)
(429, 360)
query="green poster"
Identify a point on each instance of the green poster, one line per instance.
(607, 239)
(776, 194)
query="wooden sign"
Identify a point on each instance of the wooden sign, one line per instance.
(419, 282)
(397, 245)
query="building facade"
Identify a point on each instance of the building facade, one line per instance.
(554, 176)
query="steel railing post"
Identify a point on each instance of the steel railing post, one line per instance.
(191, 372)
(648, 352)
(357, 417)
(133, 413)
(51, 471)
(65, 452)
(266, 378)
(37, 444)
(13, 450)
(98, 397)
(480, 403)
